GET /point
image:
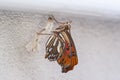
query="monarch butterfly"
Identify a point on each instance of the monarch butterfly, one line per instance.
(60, 47)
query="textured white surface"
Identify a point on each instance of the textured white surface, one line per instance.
(97, 41)
(91, 6)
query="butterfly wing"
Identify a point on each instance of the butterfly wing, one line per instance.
(69, 57)
(62, 49)
(53, 48)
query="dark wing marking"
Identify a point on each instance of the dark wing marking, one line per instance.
(53, 48)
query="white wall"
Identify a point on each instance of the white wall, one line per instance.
(97, 41)
(89, 6)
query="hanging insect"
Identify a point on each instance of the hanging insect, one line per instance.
(60, 47)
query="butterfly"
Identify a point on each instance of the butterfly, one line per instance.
(60, 47)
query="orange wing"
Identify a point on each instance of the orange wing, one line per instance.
(69, 57)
